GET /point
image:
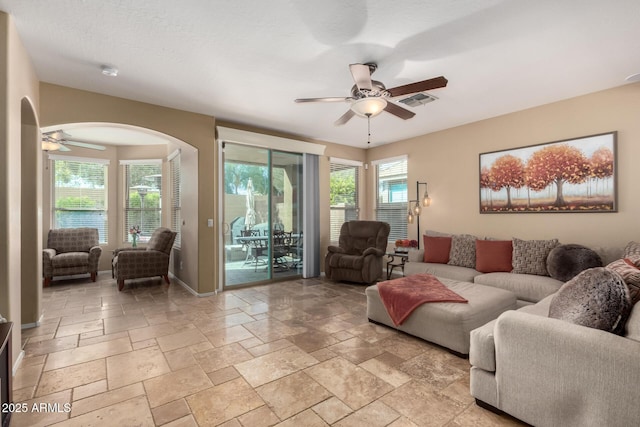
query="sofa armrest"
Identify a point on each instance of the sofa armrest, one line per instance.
(373, 251)
(117, 251)
(551, 372)
(47, 266)
(336, 249)
(94, 258)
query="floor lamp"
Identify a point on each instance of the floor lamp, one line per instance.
(415, 210)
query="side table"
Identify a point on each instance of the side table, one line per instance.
(396, 259)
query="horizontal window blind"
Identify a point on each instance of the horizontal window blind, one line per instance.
(176, 220)
(143, 200)
(391, 197)
(80, 195)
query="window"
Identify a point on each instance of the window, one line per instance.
(391, 197)
(174, 170)
(79, 193)
(343, 194)
(143, 197)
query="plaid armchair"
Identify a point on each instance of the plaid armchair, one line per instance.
(71, 251)
(150, 261)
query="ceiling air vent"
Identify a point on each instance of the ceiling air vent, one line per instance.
(418, 99)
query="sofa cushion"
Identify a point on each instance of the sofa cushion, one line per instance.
(527, 287)
(454, 272)
(627, 268)
(72, 239)
(161, 240)
(596, 298)
(70, 259)
(352, 262)
(463, 251)
(493, 255)
(566, 261)
(530, 256)
(436, 249)
(632, 248)
(483, 348)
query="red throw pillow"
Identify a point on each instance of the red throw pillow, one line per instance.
(493, 255)
(436, 249)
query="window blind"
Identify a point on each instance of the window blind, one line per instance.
(143, 200)
(176, 220)
(80, 194)
(391, 197)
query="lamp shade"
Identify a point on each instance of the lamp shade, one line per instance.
(369, 106)
(50, 145)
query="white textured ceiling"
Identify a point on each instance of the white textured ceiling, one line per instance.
(247, 60)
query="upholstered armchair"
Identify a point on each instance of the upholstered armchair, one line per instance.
(149, 261)
(358, 256)
(71, 251)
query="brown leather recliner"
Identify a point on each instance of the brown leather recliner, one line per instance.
(358, 258)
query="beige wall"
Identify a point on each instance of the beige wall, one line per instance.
(19, 102)
(448, 161)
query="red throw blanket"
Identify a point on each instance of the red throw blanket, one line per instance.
(401, 296)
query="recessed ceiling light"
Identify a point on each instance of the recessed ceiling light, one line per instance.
(633, 78)
(109, 71)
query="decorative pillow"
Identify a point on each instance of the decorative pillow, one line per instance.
(597, 298)
(436, 249)
(493, 255)
(632, 248)
(530, 256)
(626, 267)
(566, 261)
(463, 250)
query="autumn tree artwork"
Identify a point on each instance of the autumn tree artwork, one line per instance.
(576, 175)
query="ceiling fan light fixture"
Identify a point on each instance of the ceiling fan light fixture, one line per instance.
(369, 107)
(48, 145)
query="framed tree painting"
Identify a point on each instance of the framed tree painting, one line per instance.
(574, 175)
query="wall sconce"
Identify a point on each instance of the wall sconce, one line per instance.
(415, 211)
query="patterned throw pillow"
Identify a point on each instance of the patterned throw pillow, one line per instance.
(632, 248)
(530, 256)
(628, 269)
(463, 251)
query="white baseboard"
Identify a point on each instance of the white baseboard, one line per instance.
(32, 325)
(18, 362)
(188, 288)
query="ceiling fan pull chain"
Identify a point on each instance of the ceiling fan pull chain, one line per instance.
(368, 128)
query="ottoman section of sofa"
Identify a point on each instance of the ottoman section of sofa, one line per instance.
(447, 324)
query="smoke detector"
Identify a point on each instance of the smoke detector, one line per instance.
(109, 71)
(418, 99)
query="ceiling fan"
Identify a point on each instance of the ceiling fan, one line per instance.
(370, 97)
(58, 140)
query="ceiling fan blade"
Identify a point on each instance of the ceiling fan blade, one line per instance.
(398, 111)
(327, 99)
(63, 148)
(85, 145)
(435, 83)
(345, 117)
(361, 75)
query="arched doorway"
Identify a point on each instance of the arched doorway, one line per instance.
(30, 217)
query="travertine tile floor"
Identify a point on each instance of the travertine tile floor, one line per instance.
(295, 353)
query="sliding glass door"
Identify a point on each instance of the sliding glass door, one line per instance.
(263, 238)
